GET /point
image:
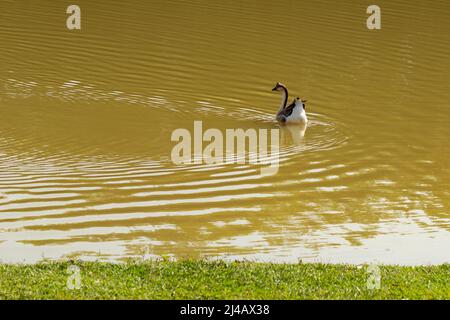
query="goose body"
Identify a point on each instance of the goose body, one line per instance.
(292, 113)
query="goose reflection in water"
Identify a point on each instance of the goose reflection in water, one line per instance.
(293, 133)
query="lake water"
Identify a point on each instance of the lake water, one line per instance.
(86, 118)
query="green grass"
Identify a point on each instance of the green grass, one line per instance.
(219, 280)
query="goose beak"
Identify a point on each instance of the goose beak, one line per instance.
(274, 88)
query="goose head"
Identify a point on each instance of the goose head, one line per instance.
(279, 87)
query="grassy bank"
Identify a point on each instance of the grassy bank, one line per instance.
(219, 280)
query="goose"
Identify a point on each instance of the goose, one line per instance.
(292, 113)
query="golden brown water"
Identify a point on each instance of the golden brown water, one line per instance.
(86, 119)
